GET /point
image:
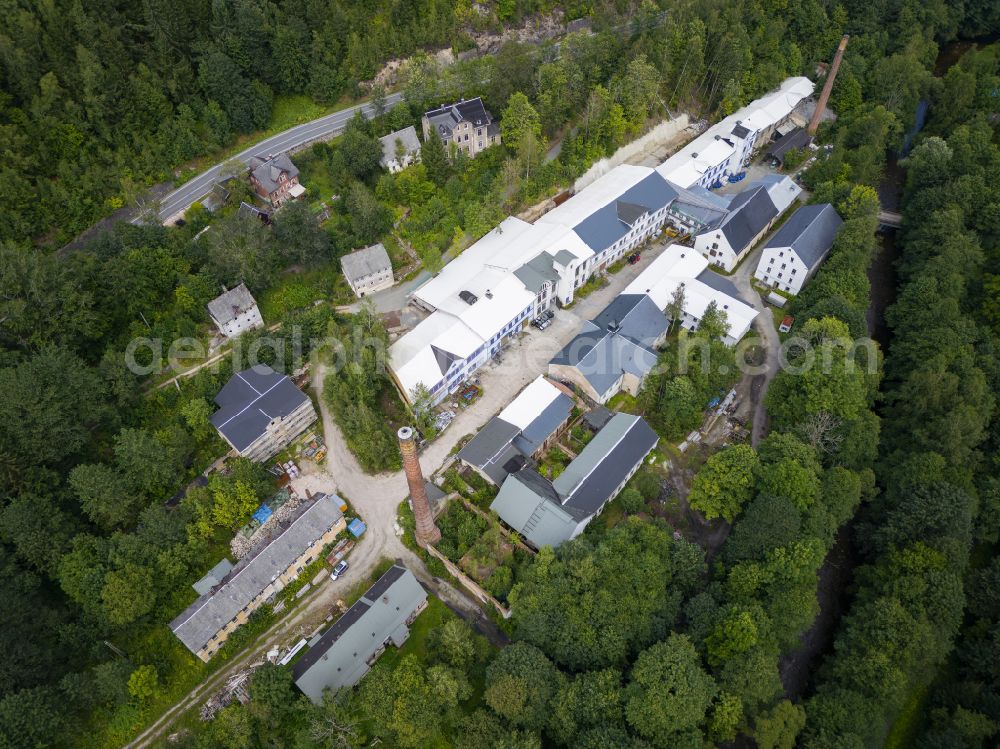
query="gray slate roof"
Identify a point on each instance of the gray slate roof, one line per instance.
(365, 262)
(200, 621)
(809, 232)
(491, 448)
(231, 304)
(267, 169)
(604, 463)
(339, 658)
(538, 271)
(249, 401)
(618, 340)
(499, 442)
(718, 282)
(749, 212)
(546, 513)
(445, 118)
(611, 222)
(410, 142)
(797, 138)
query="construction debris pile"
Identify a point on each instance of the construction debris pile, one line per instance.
(270, 516)
(236, 688)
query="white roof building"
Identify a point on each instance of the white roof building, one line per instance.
(726, 147)
(683, 265)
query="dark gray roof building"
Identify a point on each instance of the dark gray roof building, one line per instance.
(809, 232)
(508, 441)
(346, 651)
(259, 406)
(797, 138)
(268, 170)
(468, 110)
(608, 224)
(548, 513)
(749, 214)
(620, 340)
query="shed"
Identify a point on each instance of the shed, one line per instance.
(357, 527)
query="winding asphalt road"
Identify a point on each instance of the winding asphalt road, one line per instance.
(289, 140)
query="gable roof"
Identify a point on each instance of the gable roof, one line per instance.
(749, 212)
(268, 169)
(250, 400)
(365, 262)
(339, 658)
(809, 232)
(608, 223)
(231, 304)
(548, 513)
(797, 138)
(200, 621)
(408, 135)
(518, 430)
(618, 340)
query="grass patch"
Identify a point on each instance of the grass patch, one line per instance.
(624, 402)
(289, 110)
(301, 289)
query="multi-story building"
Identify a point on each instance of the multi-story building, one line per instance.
(680, 267)
(725, 149)
(548, 513)
(342, 655)
(367, 270)
(207, 623)
(748, 217)
(261, 412)
(797, 249)
(466, 124)
(275, 178)
(235, 312)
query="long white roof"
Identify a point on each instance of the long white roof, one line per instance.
(596, 195)
(684, 168)
(682, 265)
(534, 399)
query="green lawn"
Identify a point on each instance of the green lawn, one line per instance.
(295, 291)
(623, 402)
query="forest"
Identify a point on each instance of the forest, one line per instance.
(103, 98)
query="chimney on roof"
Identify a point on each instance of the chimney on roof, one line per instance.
(427, 532)
(489, 294)
(613, 326)
(824, 97)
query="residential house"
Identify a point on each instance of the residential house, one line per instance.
(261, 412)
(367, 270)
(548, 513)
(207, 623)
(724, 149)
(467, 124)
(526, 427)
(340, 657)
(275, 179)
(235, 312)
(400, 149)
(749, 216)
(614, 351)
(680, 267)
(798, 248)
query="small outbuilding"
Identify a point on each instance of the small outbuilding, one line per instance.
(400, 149)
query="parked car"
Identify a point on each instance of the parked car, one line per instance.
(443, 420)
(541, 322)
(634, 258)
(549, 314)
(339, 570)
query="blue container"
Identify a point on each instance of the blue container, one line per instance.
(262, 514)
(356, 527)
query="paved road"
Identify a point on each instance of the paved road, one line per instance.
(300, 135)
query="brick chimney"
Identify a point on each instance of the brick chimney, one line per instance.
(427, 531)
(824, 97)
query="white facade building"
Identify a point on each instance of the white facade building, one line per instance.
(750, 214)
(367, 270)
(680, 266)
(794, 253)
(235, 312)
(726, 148)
